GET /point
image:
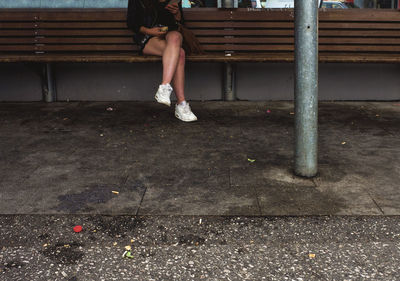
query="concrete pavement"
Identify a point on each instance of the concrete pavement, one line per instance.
(67, 158)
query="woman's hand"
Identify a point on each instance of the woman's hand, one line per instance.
(155, 31)
(173, 9)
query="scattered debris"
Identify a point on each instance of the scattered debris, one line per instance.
(67, 246)
(131, 240)
(200, 221)
(110, 109)
(251, 160)
(311, 256)
(128, 248)
(343, 142)
(45, 245)
(101, 135)
(77, 228)
(127, 254)
(228, 55)
(64, 274)
(115, 192)
(115, 244)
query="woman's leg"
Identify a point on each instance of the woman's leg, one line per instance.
(173, 64)
(178, 82)
(171, 55)
(173, 69)
(155, 46)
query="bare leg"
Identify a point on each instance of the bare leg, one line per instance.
(159, 47)
(178, 82)
(171, 55)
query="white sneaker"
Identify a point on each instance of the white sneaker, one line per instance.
(184, 113)
(163, 94)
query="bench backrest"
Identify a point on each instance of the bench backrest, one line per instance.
(50, 31)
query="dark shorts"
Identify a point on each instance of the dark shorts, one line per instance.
(143, 43)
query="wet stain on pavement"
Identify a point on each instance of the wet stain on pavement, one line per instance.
(64, 252)
(79, 201)
(118, 226)
(95, 194)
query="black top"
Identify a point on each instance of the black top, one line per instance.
(138, 16)
(165, 18)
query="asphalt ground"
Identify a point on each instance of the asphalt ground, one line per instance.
(200, 248)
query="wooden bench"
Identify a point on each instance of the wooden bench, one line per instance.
(228, 36)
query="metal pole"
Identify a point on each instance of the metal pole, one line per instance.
(229, 73)
(48, 84)
(306, 88)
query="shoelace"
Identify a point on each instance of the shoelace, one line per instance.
(165, 90)
(186, 109)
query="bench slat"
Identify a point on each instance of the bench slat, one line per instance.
(17, 32)
(85, 40)
(18, 40)
(17, 25)
(290, 25)
(255, 57)
(17, 16)
(85, 32)
(83, 15)
(92, 47)
(83, 25)
(13, 48)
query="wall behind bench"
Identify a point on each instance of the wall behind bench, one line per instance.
(255, 81)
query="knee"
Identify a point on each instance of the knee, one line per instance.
(182, 55)
(174, 37)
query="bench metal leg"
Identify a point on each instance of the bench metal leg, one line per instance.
(306, 88)
(48, 83)
(229, 85)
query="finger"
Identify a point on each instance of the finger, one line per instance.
(172, 6)
(173, 10)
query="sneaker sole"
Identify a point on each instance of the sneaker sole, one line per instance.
(176, 115)
(162, 102)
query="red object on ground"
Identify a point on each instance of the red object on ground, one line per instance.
(78, 228)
